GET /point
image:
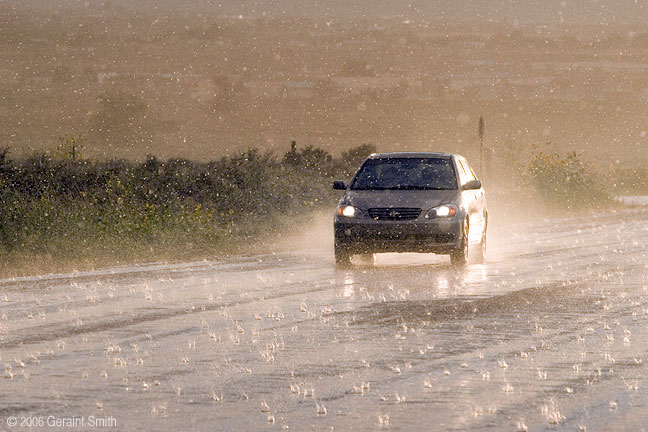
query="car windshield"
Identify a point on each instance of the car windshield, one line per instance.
(406, 173)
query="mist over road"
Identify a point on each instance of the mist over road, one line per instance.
(550, 334)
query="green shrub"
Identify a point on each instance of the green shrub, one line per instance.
(565, 180)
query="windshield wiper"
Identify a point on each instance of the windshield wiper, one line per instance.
(399, 187)
(414, 187)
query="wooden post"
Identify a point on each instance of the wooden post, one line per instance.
(481, 146)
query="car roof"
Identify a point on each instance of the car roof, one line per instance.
(411, 155)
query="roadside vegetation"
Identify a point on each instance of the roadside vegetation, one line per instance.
(63, 209)
(567, 180)
(540, 179)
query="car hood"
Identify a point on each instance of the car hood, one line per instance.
(423, 199)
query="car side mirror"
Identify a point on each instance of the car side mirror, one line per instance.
(472, 185)
(339, 185)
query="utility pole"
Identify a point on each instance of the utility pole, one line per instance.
(481, 146)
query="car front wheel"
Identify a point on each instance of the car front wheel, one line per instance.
(342, 255)
(459, 256)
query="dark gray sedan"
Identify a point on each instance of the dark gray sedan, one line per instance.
(412, 202)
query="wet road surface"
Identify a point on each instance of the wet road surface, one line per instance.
(550, 334)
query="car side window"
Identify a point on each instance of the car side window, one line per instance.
(463, 172)
(470, 170)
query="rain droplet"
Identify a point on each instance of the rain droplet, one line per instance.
(264, 407)
(321, 409)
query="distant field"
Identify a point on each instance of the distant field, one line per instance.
(202, 85)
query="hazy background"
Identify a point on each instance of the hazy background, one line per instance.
(525, 11)
(200, 79)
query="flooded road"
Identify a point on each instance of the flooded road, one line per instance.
(550, 334)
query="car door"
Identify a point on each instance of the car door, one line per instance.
(475, 202)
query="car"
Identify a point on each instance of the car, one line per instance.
(411, 202)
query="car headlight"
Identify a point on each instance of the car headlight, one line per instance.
(347, 211)
(446, 210)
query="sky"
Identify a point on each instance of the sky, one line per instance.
(522, 11)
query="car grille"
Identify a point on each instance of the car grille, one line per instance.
(394, 213)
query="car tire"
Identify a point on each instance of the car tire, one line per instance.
(342, 255)
(459, 256)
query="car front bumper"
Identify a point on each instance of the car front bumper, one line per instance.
(421, 235)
